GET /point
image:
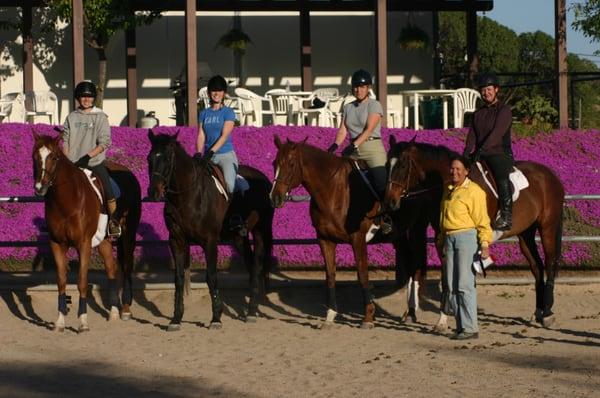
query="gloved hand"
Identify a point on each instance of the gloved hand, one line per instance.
(333, 148)
(208, 155)
(349, 150)
(83, 161)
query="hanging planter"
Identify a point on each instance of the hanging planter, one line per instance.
(235, 40)
(413, 38)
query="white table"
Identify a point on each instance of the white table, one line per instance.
(418, 95)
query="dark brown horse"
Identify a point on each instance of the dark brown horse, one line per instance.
(417, 167)
(72, 210)
(196, 212)
(341, 209)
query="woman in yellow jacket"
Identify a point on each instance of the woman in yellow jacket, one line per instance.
(465, 229)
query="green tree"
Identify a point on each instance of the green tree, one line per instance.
(587, 19)
(102, 19)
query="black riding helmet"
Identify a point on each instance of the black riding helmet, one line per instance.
(361, 78)
(85, 89)
(488, 79)
(217, 83)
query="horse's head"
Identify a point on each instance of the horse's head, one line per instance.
(46, 156)
(288, 170)
(404, 171)
(161, 162)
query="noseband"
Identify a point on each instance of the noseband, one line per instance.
(405, 192)
(51, 173)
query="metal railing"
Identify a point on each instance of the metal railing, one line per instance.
(290, 198)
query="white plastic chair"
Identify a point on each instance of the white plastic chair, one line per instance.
(318, 116)
(282, 108)
(251, 105)
(203, 97)
(12, 107)
(466, 101)
(394, 113)
(41, 103)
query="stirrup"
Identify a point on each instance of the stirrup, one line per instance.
(114, 229)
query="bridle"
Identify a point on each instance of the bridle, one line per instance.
(286, 182)
(51, 173)
(169, 173)
(406, 194)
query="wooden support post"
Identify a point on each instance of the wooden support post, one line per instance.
(560, 39)
(77, 25)
(27, 46)
(305, 48)
(472, 57)
(381, 38)
(131, 65)
(191, 60)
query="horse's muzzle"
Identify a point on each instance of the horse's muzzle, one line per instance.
(40, 189)
(277, 201)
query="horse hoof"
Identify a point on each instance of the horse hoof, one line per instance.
(251, 318)
(114, 314)
(326, 325)
(537, 316)
(83, 329)
(548, 321)
(57, 328)
(440, 328)
(174, 327)
(367, 325)
(126, 316)
(215, 326)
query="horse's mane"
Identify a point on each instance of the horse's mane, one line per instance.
(428, 151)
(313, 151)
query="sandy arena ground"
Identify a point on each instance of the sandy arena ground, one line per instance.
(284, 354)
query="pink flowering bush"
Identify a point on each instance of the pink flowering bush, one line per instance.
(571, 154)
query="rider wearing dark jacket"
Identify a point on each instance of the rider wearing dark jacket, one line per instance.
(489, 139)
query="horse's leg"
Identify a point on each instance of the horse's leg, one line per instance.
(85, 252)
(105, 250)
(551, 236)
(210, 252)
(328, 251)
(59, 251)
(418, 245)
(258, 260)
(125, 249)
(359, 246)
(179, 250)
(529, 250)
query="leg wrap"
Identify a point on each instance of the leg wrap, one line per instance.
(82, 306)
(367, 296)
(113, 295)
(63, 300)
(548, 298)
(331, 301)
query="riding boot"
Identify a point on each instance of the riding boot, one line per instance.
(504, 222)
(378, 178)
(114, 229)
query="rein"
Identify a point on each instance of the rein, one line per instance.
(409, 194)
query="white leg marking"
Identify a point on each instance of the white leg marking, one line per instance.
(59, 325)
(331, 314)
(114, 313)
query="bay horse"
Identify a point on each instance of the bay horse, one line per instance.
(197, 212)
(416, 167)
(341, 209)
(72, 210)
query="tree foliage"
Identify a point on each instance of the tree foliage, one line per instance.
(102, 19)
(587, 19)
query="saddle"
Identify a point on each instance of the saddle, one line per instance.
(241, 184)
(516, 177)
(363, 170)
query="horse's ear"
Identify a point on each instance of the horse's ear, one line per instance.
(176, 135)
(414, 139)
(36, 136)
(277, 141)
(304, 140)
(392, 141)
(151, 135)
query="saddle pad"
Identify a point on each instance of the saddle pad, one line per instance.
(517, 178)
(91, 179)
(241, 185)
(101, 230)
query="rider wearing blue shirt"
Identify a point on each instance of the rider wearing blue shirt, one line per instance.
(214, 133)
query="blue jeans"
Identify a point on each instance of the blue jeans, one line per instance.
(228, 162)
(460, 250)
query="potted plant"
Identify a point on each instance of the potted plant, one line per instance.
(413, 38)
(235, 40)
